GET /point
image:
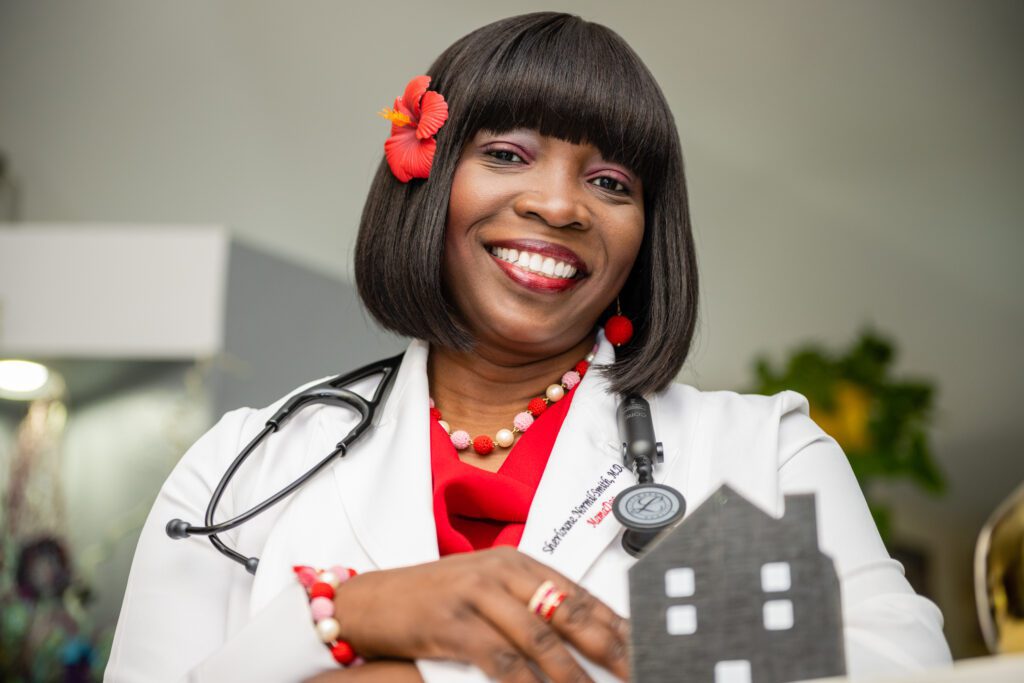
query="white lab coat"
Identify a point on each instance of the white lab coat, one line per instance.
(191, 614)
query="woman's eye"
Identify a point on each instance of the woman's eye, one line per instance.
(609, 183)
(505, 155)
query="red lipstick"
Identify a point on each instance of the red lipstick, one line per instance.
(555, 251)
(535, 281)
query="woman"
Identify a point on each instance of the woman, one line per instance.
(554, 199)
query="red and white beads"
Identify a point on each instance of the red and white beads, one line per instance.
(320, 586)
(504, 438)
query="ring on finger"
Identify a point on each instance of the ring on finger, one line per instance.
(546, 600)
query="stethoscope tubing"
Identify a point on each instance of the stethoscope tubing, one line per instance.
(329, 392)
(640, 451)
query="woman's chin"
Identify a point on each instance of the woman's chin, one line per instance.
(532, 336)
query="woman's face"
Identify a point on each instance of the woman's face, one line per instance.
(541, 236)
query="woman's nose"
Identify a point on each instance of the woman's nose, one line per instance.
(557, 201)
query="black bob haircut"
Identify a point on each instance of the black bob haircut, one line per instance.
(569, 79)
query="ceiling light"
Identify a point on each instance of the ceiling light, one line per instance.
(22, 379)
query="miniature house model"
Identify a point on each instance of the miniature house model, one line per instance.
(734, 595)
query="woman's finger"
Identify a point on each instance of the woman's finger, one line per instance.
(482, 645)
(534, 638)
(596, 630)
(588, 624)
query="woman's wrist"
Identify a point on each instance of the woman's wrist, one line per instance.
(321, 586)
(351, 611)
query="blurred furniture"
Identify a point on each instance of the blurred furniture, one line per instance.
(156, 331)
(999, 576)
(179, 293)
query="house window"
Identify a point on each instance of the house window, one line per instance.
(775, 577)
(679, 582)
(778, 615)
(732, 671)
(681, 620)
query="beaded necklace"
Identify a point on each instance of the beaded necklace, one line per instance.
(484, 444)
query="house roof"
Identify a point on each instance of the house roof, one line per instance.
(724, 506)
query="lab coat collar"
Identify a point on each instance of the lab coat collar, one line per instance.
(570, 522)
(385, 483)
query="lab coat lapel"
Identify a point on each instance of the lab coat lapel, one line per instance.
(570, 522)
(385, 481)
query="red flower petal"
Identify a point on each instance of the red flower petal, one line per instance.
(400, 107)
(433, 114)
(413, 92)
(408, 157)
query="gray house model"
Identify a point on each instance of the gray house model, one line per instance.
(734, 595)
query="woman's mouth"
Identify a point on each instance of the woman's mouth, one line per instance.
(538, 265)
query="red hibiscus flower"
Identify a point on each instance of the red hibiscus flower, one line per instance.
(417, 116)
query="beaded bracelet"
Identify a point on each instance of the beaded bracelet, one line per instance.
(320, 585)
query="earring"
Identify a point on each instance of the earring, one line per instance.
(618, 330)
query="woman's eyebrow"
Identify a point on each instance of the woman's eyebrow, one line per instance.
(618, 166)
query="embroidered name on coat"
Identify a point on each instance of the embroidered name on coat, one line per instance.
(602, 512)
(579, 511)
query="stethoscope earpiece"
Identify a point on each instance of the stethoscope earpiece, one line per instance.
(178, 529)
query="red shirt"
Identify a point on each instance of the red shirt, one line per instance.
(476, 509)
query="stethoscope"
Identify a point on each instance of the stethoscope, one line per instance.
(645, 509)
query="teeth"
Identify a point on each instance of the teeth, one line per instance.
(535, 262)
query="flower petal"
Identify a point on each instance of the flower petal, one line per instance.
(433, 114)
(421, 158)
(402, 109)
(413, 92)
(408, 157)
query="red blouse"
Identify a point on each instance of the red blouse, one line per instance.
(475, 508)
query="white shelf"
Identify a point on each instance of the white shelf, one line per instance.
(104, 291)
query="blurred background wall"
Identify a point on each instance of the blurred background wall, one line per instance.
(848, 163)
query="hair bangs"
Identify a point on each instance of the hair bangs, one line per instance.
(573, 80)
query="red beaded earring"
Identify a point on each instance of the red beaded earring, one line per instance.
(618, 330)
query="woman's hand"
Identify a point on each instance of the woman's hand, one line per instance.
(472, 608)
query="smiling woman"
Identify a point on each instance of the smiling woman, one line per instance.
(532, 187)
(537, 246)
(535, 101)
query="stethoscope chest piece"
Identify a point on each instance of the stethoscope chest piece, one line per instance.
(645, 507)
(646, 510)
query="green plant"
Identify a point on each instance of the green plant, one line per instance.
(880, 422)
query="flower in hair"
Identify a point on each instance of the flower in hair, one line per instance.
(418, 114)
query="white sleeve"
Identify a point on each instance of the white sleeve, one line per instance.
(185, 614)
(887, 627)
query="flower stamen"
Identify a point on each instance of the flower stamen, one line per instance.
(395, 117)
